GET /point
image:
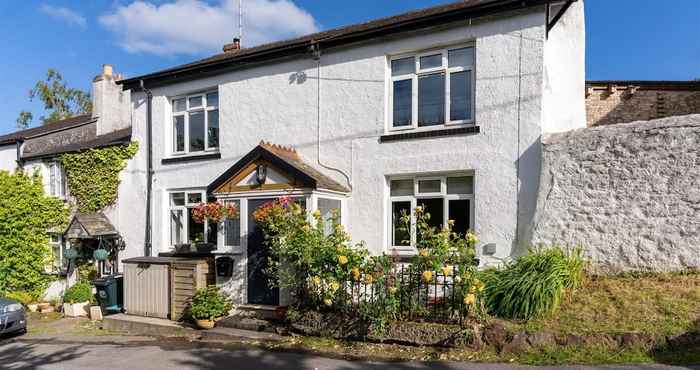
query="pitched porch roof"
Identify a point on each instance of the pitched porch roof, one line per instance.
(90, 225)
(283, 159)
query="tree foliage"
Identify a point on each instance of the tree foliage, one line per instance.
(26, 214)
(60, 101)
(93, 175)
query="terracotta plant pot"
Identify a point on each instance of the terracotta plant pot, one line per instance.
(44, 305)
(205, 324)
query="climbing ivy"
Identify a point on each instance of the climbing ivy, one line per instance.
(93, 175)
(26, 213)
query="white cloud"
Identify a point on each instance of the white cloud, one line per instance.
(194, 26)
(64, 14)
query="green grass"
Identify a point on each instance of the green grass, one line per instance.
(656, 305)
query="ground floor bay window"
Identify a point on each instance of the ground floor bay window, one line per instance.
(447, 197)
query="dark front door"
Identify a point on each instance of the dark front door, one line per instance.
(259, 290)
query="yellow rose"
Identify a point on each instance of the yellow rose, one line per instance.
(393, 290)
(451, 222)
(316, 280)
(306, 228)
(447, 270)
(427, 276)
(328, 302)
(471, 238)
(334, 286)
(316, 214)
(418, 209)
(469, 299)
(369, 279)
(479, 285)
(458, 279)
(472, 289)
(355, 273)
(339, 247)
(424, 253)
(339, 228)
(342, 260)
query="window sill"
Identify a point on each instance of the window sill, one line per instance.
(191, 158)
(429, 134)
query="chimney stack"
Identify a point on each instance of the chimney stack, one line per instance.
(110, 104)
(234, 46)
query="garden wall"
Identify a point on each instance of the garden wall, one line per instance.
(629, 193)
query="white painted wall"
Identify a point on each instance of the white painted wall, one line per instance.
(563, 99)
(8, 157)
(267, 102)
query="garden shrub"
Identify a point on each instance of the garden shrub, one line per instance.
(22, 297)
(318, 264)
(533, 285)
(209, 304)
(306, 260)
(78, 293)
(26, 214)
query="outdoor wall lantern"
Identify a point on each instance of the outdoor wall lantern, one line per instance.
(261, 174)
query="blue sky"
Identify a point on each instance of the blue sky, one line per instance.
(626, 39)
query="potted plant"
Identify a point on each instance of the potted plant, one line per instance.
(207, 306)
(77, 298)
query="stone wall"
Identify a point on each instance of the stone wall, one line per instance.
(622, 104)
(629, 193)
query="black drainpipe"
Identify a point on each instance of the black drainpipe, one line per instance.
(148, 243)
(20, 161)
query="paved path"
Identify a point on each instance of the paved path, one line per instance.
(148, 353)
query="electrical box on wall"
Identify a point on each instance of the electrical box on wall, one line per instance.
(224, 266)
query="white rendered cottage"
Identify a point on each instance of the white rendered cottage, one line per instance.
(443, 107)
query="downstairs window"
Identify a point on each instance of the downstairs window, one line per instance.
(443, 197)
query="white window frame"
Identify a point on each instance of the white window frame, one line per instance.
(188, 205)
(57, 180)
(425, 72)
(414, 199)
(62, 244)
(204, 108)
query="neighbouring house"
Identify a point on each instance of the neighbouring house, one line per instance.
(610, 102)
(39, 149)
(443, 107)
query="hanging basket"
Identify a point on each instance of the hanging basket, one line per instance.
(100, 254)
(70, 253)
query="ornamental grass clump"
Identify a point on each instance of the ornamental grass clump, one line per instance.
(533, 285)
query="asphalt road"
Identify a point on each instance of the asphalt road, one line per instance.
(111, 353)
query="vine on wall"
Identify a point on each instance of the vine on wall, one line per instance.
(93, 175)
(25, 215)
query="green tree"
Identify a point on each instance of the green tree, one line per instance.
(60, 101)
(26, 213)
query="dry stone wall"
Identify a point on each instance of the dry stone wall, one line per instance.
(628, 193)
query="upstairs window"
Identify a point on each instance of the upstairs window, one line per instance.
(432, 89)
(57, 180)
(195, 126)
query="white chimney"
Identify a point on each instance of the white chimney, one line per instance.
(110, 104)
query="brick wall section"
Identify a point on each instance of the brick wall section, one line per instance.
(629, 193)
(622, 104)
